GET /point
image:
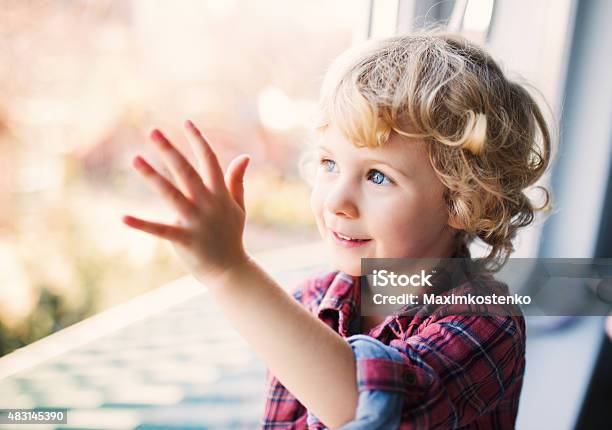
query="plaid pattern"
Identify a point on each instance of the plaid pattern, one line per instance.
(459, 371)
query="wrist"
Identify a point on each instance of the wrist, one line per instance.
(224, 278)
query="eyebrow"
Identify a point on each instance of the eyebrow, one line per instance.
(386, 163)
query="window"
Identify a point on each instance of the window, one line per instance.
(82, 83)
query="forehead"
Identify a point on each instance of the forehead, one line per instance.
(398, 150)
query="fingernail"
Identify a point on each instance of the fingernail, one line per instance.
(189, 124)
(138, 161)
(156, 134)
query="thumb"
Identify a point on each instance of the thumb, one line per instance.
(234, 178)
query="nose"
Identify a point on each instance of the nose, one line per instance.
(341, 200)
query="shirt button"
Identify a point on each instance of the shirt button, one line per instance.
(410, 378)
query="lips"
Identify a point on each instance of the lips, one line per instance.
(348, 241)
(347, 237)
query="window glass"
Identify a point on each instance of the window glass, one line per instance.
(82, 83)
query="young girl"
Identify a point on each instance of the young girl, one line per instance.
(424, 146)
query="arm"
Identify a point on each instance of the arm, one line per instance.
(307, 356)
(380, 405)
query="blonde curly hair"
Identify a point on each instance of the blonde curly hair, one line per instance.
(488, 140)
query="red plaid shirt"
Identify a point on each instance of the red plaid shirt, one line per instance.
(466, 371)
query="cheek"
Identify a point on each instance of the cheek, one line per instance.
(399, 223)
(408, 225)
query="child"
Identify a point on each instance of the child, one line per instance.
(425, 145)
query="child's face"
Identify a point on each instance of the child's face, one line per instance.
(389, 196)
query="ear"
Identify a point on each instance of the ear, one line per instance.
(452, 219)
(453, 223)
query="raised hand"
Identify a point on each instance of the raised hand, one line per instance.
(211, 215)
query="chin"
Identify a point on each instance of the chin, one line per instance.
(350, 268)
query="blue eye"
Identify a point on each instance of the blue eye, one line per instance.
(374, 175)
(378, 177)
(328, 165)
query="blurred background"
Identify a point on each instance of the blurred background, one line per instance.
(82, 82)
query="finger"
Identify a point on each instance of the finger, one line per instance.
(187, 177)
(165, 188)
(209, 163)
(170, 232)
(234, 178)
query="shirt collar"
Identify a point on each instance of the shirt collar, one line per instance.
(341, 300)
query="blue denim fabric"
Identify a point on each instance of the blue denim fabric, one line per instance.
(376, 409)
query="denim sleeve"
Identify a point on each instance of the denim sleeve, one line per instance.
(376, 408)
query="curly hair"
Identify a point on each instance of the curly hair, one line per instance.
(487, 138)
